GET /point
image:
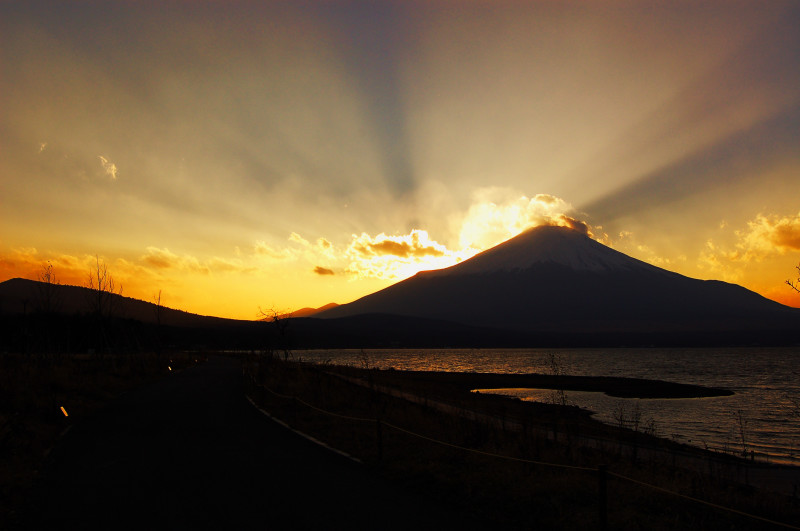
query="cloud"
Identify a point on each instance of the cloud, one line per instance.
(719, 262)
(109, 167)
(28, 262)
(262, 249)
(323, 271)
(160, 258)
(495, 216)
(218, 264)
(499, 214)
(764, 237)
(417, 244)
(401, 256)
(164, 259)
(294, 237)
(563, 220)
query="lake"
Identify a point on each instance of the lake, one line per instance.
(763, 415)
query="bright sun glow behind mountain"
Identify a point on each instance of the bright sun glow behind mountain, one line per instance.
(282, 154)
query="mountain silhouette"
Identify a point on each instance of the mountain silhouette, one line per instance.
(549, 286)
(555, 279)
(308, 312)
(19, 295)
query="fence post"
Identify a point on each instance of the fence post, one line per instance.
(602, 497)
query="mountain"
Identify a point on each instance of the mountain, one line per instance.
(19, 295)
(308, 312)
(549, 286)
(25, 326)
(558, 280)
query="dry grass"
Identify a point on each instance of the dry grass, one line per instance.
(34, 388)
(513, 493)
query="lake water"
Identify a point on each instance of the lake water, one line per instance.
(762, 416)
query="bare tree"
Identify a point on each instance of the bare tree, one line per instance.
(103, 298)
(158, 307)
(158, 311)
(281, 323)
(104, 290)
(48, 300)
(795, 285)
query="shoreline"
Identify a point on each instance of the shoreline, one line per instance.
(489, 451)
(618, 387)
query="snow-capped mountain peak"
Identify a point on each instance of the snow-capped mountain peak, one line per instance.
(547, 245)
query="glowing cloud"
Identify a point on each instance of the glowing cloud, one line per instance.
(108, 167)
(294, 237)
(262, 249)
(764, 237)
(767, 235)
(164, 259)
(391, 257)
(417, 244)
(496, 217)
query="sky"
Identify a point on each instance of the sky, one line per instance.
(242, 156)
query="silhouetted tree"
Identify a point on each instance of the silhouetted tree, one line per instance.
(103, 299)
(47, 303)
(158, 311)
(281, 325)
(795, 285)
(48, 300)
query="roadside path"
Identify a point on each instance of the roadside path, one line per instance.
(190, 452)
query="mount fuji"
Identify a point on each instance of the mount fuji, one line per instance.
(558, 280)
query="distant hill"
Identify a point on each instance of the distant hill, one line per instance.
(20, 295)
(554, 280)
(24, 327)
(308, 312)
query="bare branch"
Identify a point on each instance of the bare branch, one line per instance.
(158, 308)
(281, 322)
(48, 297)
(795, 285)
(104, 290)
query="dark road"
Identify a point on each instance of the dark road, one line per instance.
(190, 452)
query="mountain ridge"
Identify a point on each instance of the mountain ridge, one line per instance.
(554, 278)
(548, 245)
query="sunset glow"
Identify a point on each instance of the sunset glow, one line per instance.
(287, 155)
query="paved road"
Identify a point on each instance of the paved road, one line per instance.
(189, 452)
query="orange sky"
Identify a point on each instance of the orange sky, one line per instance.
(283, 154)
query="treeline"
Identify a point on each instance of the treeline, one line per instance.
(55, 333)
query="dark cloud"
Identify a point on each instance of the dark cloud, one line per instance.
(572, 223)
(400, 249)
(323, 271)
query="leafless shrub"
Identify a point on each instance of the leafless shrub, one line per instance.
(280, 321)
(48, 300)
(104, 291)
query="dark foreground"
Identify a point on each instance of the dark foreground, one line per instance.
(189, 452)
